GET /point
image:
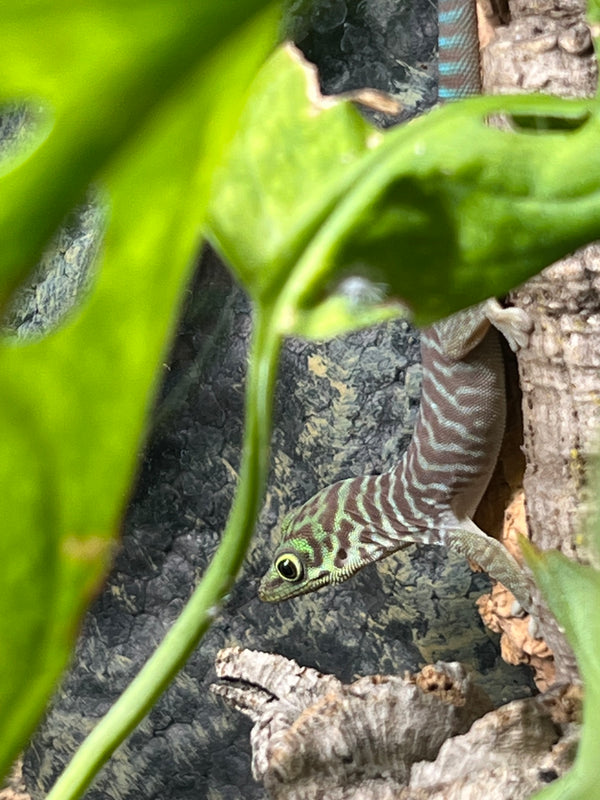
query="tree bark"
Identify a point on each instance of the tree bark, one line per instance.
(428, 735)
(548, 48)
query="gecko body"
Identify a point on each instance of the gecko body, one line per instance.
(458, 47)
(432, 493)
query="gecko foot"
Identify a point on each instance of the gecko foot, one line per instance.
(514, 324)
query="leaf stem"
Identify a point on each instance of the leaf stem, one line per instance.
(201, 609)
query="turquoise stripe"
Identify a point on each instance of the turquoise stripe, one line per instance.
(444, 42)
(458, 49)
(450, 68)
(453, 94)
(450, 16)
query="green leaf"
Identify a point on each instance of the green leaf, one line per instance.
(446, 224)
(101, 69)
(444, 211)
(73, 405)
(30, 565)
(340, 313)
(589, 539)
(571, 590)
(283, 172)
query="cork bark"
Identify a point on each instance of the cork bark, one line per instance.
(429, 735)
(561, 385)
(547, 48)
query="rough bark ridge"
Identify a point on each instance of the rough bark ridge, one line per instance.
(559, 378)
(388, 737)
(305, 721)
(548, 48)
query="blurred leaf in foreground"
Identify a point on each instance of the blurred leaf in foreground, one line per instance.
(144, 97)
(321, 197)
(572, 591)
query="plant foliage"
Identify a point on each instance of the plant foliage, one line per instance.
(140, 103)
(140, 98)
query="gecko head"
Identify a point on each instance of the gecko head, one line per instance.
(308, 558)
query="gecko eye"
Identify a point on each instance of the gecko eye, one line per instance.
(289, 567)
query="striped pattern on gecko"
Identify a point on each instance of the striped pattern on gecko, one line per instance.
(431, 495)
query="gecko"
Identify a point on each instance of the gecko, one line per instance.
(429, 497)
(458, 49)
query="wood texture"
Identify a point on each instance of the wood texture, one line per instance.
(428, 735)
(547, 47)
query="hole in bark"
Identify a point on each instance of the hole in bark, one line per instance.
(548, 775)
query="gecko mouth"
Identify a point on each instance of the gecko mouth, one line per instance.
(272, 590)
